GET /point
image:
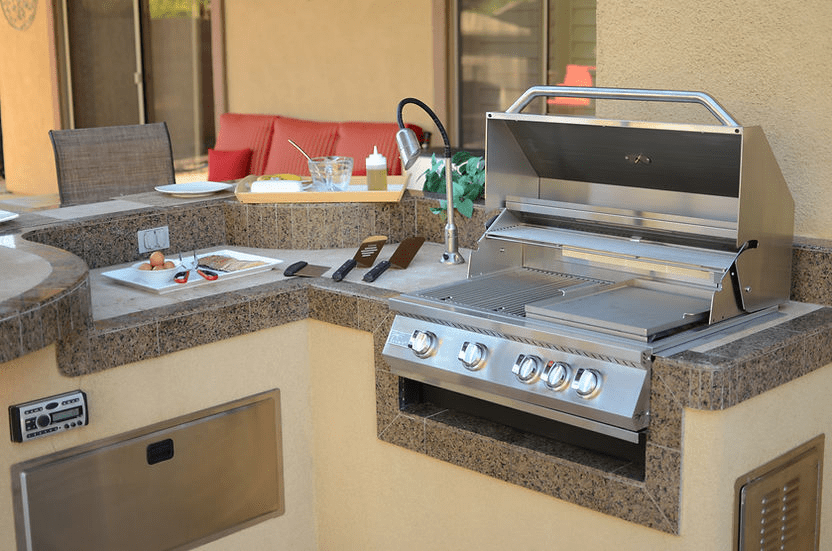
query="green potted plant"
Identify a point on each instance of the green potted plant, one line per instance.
(468, 177)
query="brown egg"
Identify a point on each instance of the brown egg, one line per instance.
(168, 264)
(145, 266)
(157, 258)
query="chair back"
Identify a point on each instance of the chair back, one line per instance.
(96, 164)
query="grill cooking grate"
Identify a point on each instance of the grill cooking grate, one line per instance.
(507, 292)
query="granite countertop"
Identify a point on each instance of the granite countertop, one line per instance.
(111, 299)
(98, 325)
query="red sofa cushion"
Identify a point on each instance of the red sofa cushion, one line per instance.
(356, 140)
(228, 165)
(316, 138)
(245, 131)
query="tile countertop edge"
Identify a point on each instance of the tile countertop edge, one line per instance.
(48, 311)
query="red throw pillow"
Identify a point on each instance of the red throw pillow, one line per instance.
(228, 165)
(357, 139)
(244, 130)
(317, 138)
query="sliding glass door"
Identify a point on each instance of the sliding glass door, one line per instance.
(503, 47)
(137, 61)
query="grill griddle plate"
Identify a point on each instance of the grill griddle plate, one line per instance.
(508, 292)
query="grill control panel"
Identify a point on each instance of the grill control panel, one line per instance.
(48, 416)
(580, 389)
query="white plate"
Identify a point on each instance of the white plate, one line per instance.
(194, 189)
(5, 216)
(130, 276)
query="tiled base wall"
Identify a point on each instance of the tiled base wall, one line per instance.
(109, 240)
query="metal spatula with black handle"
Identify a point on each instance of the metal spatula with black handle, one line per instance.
(401, 258)
(301, 268)
(364, 256)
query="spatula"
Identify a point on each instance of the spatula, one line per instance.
(401, 258)
(302, 268)
(364, 256)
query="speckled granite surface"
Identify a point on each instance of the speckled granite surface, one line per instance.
(58, 310)
(48, 311)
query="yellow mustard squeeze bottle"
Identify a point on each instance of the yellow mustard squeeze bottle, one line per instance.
(376, 171)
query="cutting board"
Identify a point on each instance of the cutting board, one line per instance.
(357, 193)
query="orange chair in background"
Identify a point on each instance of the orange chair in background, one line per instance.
(576, 75)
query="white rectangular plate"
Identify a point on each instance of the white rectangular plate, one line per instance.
(129, 275)
(5, 216)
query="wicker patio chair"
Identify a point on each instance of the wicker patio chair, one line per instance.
(96, 164)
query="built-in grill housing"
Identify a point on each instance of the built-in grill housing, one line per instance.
(615, 240)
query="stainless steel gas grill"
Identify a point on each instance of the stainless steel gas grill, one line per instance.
(615, 241)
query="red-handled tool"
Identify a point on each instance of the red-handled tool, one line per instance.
(207, 274)
(182, 276)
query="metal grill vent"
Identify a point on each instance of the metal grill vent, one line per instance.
(779, 516)
(780, 502)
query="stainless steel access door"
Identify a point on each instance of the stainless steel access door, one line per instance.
(173, 485)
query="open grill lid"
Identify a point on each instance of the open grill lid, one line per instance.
(702, 207)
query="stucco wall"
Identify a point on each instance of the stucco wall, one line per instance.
(767, 62)
(26, 106)
(158, 389)
(398, 499)
(329, 59)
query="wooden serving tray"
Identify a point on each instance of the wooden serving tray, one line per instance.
(357, 193)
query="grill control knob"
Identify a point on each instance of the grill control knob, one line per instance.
(587, 382)
(472, 355)
(423, 343)
(527, 368)
(557, 375)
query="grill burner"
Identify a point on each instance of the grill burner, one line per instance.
(596, 263)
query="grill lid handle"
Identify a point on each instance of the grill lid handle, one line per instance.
(675, 96)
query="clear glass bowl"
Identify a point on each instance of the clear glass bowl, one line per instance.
(330, 173)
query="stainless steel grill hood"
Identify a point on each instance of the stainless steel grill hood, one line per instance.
(614, 240)
(706, 197)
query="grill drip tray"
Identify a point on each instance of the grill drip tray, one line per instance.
(637, 308)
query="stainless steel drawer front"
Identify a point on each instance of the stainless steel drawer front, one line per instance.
(173, 485)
